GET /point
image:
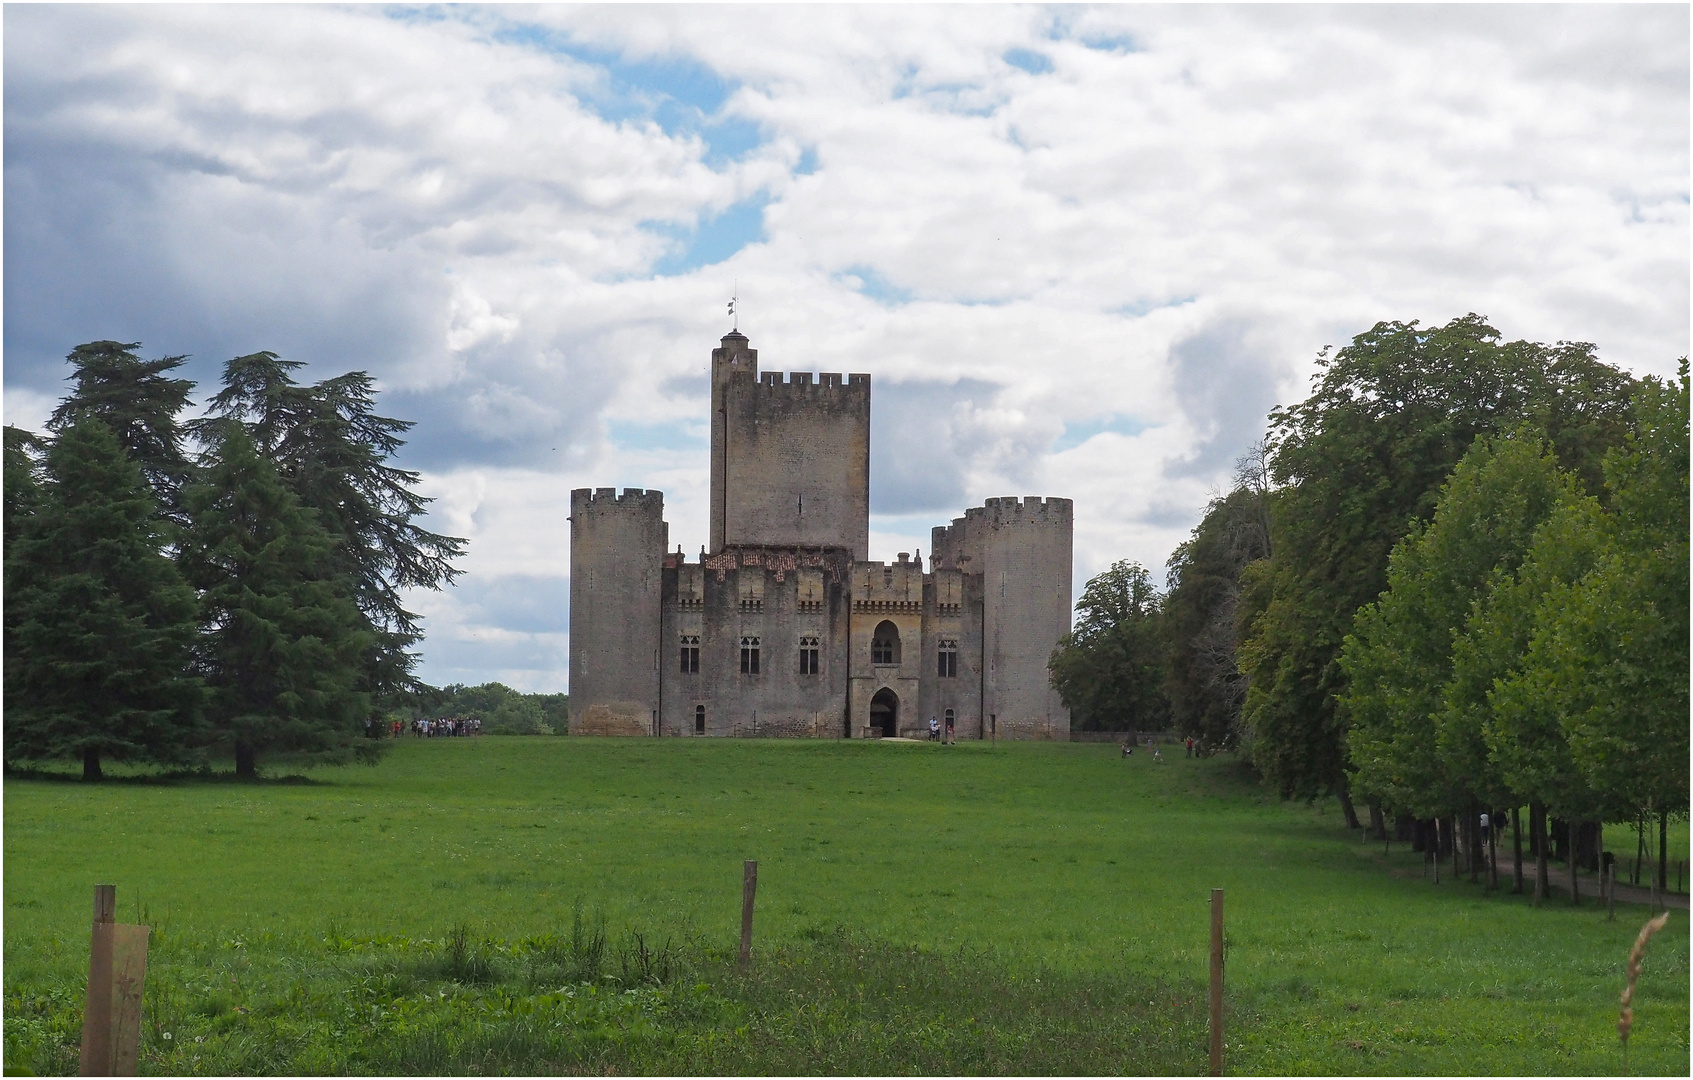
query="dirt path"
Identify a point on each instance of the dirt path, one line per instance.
(1559, 880)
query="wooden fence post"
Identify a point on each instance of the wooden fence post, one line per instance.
(1216, 982)
(749, 890)
(97, 1012)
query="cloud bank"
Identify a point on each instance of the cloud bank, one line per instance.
(1082, 251)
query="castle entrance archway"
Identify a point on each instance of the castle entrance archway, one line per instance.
(884, 712)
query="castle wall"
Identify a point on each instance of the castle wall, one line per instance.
(779, 597)
(952, 611)
(617, 547)
(1025, 553)
(887, 592)
(790, 460)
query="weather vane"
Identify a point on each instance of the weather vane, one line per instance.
(734, 299)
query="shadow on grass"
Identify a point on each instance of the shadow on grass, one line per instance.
(162, 778)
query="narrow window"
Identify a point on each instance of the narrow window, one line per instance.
(948, 667)
(884, 644)
(808, 656)
(690, 654)
(699, 719)
(749, 656)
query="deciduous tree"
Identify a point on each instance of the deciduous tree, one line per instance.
(1109, 670)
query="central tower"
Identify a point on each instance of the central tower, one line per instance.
(790, 461)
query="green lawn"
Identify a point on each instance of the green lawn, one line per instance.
(1057, 891)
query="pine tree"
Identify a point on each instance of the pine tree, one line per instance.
(137, 400)
(284, 643)
(331, 449)
(99, 625)
(22, 480)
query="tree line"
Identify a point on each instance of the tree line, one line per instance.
(229, 584)
(1451, 580)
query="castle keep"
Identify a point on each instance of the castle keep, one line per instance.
(784, 627)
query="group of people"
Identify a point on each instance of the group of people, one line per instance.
(937, 735)
(442, 727)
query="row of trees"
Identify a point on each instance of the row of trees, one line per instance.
(502, 710)
(233, 582)
(1436, 584)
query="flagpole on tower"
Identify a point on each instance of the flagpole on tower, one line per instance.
(734, 299)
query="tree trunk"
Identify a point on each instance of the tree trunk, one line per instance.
(1378, 824)
(1640, 847)
(1347, 807)
(1437, 850)
(1663, 852)
(91, 766)
(244, 766)
(1472, 841)
(1537, 830)
(1517, 846)
(1490, 850)
(1454, 823)
(1575, 863)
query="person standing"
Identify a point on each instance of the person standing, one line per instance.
(1190, 746)
(951, 739)
(934, 729)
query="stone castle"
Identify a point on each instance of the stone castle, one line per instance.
(784, 627)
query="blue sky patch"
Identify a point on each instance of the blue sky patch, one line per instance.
(1028, 60)
(1136, 308)
(678, 93)
(870, 282)
(1117, 424)
(716, 238)
(677, 435)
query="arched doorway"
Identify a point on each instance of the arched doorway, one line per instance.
(884, 712)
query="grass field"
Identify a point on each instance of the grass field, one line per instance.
(1027, 908)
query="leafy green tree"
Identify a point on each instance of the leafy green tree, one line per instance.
(1415, 741)
(1109, 670)
(1613, 652)
(100, 627)
(141, 403)
(1201, 615)
(284, 643)
(332, 450)
(1361, 460)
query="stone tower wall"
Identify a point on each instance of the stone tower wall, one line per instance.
(1024, 551)
(790, 460)
(617, 545)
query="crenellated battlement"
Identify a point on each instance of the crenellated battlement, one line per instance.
(1031, 508)
(801, 381)
(605, 500)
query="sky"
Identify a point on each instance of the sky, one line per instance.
(1082, 251)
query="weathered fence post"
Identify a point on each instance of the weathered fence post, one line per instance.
(117, 968)
(749, 890)
(97, 1012)
(1611, 892)
(1216, 982)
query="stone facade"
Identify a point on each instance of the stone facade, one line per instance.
(784, 628)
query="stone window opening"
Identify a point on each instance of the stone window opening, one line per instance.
(690, 654)
(884, 644)
(808, 653)
(749, 656)
(699, 719)
(948, 666)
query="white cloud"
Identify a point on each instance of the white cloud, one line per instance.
(1166, 224)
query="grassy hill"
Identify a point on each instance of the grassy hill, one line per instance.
(1025, 908)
